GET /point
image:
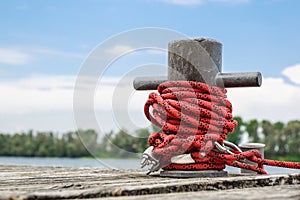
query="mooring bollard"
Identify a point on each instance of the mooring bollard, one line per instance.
(198, 60)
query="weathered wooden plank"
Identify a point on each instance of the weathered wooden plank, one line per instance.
(29, 182)
(267, 193)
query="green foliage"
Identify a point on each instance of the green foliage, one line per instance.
(235, 136)
(252, 129)
(282, 141)
(42, 144)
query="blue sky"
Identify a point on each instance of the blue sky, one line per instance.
(257, 35)
(45, 43)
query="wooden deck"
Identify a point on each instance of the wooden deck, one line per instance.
(30, 182)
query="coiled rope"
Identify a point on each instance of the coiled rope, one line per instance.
(194, 117)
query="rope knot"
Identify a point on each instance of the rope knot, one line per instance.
(194, 117)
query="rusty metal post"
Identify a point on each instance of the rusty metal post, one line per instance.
(198, 60)
(195, 60)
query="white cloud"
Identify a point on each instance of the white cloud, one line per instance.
(231, 1)
(41, 95)
(54, 52)
(46, 93)
(184, 2)
(119, 95)
(119, 49)
(275, 100)
(293, 73)
(14, 57)
(195, 2)
(24, 56)
(43, 102)
(37, 93)
(153, 51)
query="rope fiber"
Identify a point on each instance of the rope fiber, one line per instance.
(193, 116)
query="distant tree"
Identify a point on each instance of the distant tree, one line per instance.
(88, 138)
(75, 148)
(5, 144)
(141, 140)
(271, 136)
(155, 128)
(292, 135)
(252, 129)
(282, 141)
(43, 144)
(278, 141)
(105, 146)
(124, 141)
(60, 147)
(28, 144)
(236, 135)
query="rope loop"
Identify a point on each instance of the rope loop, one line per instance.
(193, 116)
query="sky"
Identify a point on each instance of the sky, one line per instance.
(46, 45)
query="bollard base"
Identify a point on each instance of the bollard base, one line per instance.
(193, 174)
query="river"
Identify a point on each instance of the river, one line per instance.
(105, 163)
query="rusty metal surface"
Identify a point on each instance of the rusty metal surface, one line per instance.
(198, 60)
(148, 83)
(194, 60)
(243, 79)
(227, 80)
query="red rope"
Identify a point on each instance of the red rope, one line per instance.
(193, 116)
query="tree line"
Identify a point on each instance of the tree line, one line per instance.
(282, 141)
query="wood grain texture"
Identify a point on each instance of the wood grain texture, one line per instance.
(31, 182)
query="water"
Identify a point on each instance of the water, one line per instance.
(107, 163)
(72, 162)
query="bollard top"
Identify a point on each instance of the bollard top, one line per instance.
(198, 39)
(198, 59)
(252, 145)
(194, 59)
